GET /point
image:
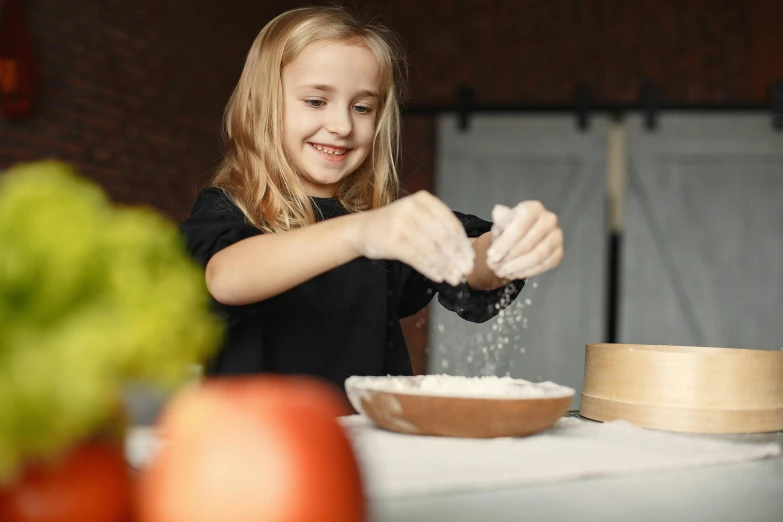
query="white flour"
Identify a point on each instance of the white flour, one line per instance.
(457, 386)
(492, 351)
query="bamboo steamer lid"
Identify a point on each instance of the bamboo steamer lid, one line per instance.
(684, 388)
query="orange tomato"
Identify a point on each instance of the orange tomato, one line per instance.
(90, 482)
(253, 449)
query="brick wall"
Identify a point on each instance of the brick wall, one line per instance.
(132, 91)
(535, 51)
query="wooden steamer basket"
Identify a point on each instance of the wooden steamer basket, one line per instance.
(684, 388)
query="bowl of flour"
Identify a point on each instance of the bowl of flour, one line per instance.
(456, 406)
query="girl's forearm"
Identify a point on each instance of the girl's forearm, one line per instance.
(263, 266)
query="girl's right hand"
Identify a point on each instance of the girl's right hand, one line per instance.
(421, 231)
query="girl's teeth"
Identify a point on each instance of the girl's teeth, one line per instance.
(333, 153)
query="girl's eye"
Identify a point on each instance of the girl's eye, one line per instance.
(361, 109)
(315, 104)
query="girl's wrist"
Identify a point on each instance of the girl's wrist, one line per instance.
(352, 233)
(483, 277)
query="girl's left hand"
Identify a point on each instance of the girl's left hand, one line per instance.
(526, 241)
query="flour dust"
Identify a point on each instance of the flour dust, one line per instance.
(494, 349)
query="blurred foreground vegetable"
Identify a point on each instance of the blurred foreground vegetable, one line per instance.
(254, 449)
(90, 482)
(91, 296)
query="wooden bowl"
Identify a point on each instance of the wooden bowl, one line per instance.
(684, 388)
(417, 413)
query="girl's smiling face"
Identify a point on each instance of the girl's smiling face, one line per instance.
(330, 106)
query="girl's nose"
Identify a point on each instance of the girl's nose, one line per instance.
(339, 123)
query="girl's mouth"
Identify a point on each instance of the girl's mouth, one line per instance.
(335, 154)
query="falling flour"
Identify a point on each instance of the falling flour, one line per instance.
(496, 348)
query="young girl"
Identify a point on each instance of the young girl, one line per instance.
(309, 253)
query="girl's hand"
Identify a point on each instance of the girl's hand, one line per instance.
(526, 241)
(421, 231)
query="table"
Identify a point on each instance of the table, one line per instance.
(745, 492)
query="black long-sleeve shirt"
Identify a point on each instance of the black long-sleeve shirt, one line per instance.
(343, 322)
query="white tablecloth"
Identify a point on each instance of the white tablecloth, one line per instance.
(397, 465)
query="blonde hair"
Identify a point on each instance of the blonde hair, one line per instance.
(255, 172)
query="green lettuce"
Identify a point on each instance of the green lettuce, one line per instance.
(92, 296)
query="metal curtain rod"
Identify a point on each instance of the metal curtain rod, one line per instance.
(582, 107)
